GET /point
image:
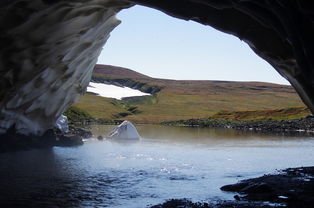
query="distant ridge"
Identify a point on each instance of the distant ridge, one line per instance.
(173, 100)
(118, 72)
(109, 72)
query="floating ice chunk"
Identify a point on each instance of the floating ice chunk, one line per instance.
(112, 91)
(126, 131)
(62, 124)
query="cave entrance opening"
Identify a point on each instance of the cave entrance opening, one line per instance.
(161, 46)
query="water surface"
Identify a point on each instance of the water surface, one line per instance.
(168, 162)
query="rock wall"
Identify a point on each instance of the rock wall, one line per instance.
(47, 54)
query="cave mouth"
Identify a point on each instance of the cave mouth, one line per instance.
(154, 43)
(162, 46)
(49, 48)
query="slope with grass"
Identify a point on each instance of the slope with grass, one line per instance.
(186, 99)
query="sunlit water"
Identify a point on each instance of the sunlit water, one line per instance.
(168, 162)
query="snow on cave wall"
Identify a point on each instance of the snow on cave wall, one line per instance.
(48, 51)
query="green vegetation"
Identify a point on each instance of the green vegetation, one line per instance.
(141, 100)
(261, 115)
(225, 118)
(99, 107)
(182, 100)
(202, 122)
(79, 117)
(76, 115)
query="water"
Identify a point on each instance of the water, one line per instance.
(169, 162)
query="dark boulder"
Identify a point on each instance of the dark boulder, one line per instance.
(84, 133)
(69, 140)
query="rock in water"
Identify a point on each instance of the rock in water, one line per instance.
(126, 131)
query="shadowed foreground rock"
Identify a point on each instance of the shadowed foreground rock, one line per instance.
(13, 141)
(293, 187)
(185, 203)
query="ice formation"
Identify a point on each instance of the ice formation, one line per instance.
(112, 91)
(52, 54)
(125, 131)
(62, 124)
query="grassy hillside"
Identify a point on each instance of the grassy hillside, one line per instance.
(265, 114)
(185, 99)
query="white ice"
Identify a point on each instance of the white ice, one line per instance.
(112, 91)
(69, 48)
(125, 131)
(62, 124)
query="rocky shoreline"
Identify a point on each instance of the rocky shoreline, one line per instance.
(290, 188)
(12, 141)
(304, 126)
(186, 203)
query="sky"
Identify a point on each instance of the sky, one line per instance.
(155, 44)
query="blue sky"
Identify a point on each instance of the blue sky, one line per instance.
(160, 46)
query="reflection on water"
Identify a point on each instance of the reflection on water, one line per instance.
(206, 136)
(35, 179)
(168, 162)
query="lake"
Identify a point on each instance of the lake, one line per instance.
(168, 162)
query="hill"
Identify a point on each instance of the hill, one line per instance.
(186, 99)
(117, 72)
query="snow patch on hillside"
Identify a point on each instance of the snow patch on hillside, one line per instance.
(112, 91)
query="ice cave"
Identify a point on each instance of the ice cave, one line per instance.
(49, 47)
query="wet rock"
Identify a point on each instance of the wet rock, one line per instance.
(100, 138)
(84, 133)
(290, 188)
(13, 141)
(234, 187)
(257, 188)
(181, 203)
(69, 140)
(237, 197)
(293, 187)
(185, 203)
(254, 191)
